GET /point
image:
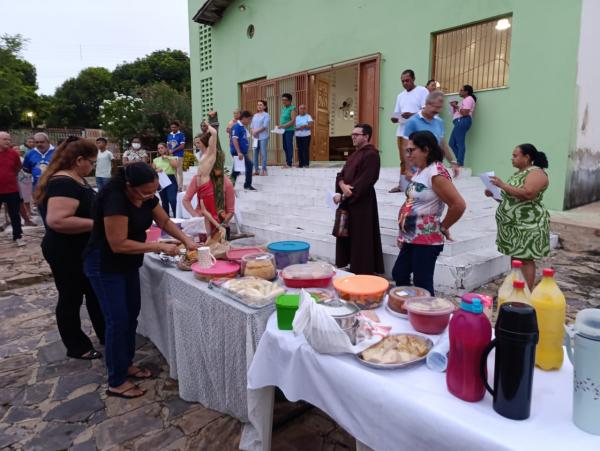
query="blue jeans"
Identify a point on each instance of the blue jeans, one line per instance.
(457, 138)
(248, 180)
(288, 146)
(168, 196)
(120, 301)
(303, 144)
(418, 260)
(101, 182)
(262, 149)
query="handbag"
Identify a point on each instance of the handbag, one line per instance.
(342, 221)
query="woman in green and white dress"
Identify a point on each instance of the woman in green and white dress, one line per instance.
(522, 219)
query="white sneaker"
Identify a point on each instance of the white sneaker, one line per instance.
(20, 242)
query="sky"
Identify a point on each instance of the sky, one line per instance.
(66, 36)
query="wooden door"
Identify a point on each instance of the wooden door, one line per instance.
(319, 149)
(368, 95)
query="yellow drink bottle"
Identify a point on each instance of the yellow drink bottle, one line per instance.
(507, 286)
(550, 307)
(518, 293)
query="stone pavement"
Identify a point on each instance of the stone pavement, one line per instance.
(48, 402)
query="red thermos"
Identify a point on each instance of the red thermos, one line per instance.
(470, 332)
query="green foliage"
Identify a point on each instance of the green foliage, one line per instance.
(169, 66)
(163, 104)
(17, 81)
(122, 116)
(77, 100)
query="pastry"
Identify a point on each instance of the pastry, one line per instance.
(395, 349)
(398, 295)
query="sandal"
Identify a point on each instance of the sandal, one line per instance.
(123, 394)
(137, 375)
(90, 355)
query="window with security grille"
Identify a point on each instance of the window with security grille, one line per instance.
(206, 62)
(476, 55)
(206, 96)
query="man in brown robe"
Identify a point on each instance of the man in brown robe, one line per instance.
(355, 185)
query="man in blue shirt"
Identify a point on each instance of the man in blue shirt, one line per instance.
(239, 146)
(37, 160)
(176, 144)
(428, 120)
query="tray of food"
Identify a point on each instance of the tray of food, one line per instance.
(253, 292)
(397, 296)
(396, 351)
(308, 275)
(187, 259)
(261, 265)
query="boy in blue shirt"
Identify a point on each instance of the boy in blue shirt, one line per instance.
(239, 146)
(176, 144)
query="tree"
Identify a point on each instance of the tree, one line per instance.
(170, 66)
(77, 101)
(163, 104)
(122, 117)
(17, 81)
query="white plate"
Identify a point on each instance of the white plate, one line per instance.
(394, 366)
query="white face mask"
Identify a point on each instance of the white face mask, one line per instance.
(136, 146)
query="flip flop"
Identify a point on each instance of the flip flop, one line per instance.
(93, 355)
(123, 393)
(141, 370)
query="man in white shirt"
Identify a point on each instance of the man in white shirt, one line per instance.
(408, 102)
(103, 163)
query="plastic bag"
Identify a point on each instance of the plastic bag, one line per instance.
(218, 244)
(324, 334)
(193, 226)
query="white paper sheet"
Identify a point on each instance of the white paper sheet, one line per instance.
(485, 178)
(278, 131)
(329, 195)
(163, 180)
(254, 143)
(239, 165)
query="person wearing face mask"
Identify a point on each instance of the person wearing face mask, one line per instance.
(135, 154)
(124, 210)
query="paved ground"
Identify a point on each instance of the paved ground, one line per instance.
(48, 402)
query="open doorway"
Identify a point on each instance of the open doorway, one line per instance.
(337, 97)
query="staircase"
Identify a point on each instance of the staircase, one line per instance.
(290, 205)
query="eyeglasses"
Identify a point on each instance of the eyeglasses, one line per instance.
(358, 134)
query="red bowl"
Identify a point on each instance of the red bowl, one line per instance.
(429, 315)
(308, 283)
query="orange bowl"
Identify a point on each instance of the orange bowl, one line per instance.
(367, 292)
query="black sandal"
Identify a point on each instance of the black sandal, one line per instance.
(91, 355)
(141, 370)
(122, 394)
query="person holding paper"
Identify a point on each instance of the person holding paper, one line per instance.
(522, 219)
(462, 117)
(409, 102)
(239, 147)
(304, 124)
(167, 164)
(422, 230)
(355, 188)
(260, 134)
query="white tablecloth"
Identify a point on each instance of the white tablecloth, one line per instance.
(405, 409)
(207, 339)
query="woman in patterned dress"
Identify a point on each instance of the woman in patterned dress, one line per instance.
(523, 229)
(422, 230)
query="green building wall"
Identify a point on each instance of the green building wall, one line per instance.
(538, 106)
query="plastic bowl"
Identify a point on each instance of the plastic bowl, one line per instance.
(398, 295)
(429, 315)
(367, 292)
(308, 275)
(289, 252)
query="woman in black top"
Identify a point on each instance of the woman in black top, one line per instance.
(67, 199)
(125, 209)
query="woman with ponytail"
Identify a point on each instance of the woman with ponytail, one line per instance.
(462, 118)
(66, 201)
(522, 219)
(125, 209)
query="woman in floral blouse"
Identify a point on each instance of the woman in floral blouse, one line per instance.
(422, 229)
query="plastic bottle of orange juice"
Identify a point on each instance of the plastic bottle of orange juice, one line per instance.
(518, 293)
(550, 307)
(507, 286)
